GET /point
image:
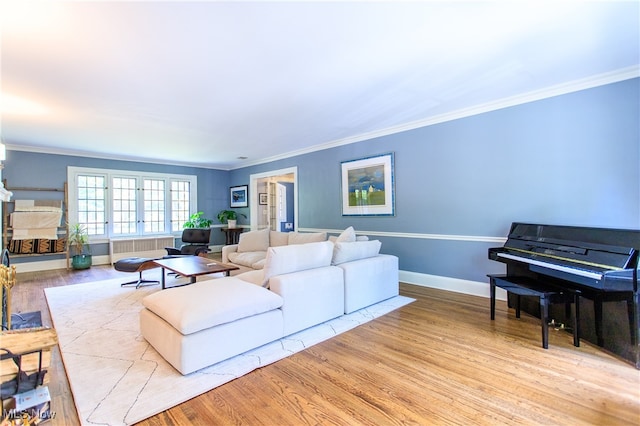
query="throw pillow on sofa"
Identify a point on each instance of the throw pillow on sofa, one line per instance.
(277, 238)
(306, 237)
(254, 241)
(347, 252)
(347, 236)
(293, 258)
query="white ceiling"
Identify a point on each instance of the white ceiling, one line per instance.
(202, 83)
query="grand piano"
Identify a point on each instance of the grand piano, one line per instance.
(601, 263)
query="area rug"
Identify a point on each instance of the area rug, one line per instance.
(117, 378)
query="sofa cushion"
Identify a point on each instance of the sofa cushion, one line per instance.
(260, 263)
(247, 259)
(254, 277)
(347, 252)
(225, 300)
(288, 259)
(306, 237)
(254, 241)
(277, 239)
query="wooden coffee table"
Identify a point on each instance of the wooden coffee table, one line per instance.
(192, 266)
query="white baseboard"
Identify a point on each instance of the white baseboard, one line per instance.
(473, 288)
(47, 265)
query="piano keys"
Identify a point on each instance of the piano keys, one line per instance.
(602, 263)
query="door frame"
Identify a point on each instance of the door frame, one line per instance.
(253, 193)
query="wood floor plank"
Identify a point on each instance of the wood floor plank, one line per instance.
(439, 360)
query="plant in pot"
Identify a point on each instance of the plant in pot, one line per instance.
(229, 217)
(197, 221)
(78, 241)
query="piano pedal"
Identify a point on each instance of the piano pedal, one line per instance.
(559, 326)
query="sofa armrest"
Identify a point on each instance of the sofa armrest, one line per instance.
(226, 250)
(310, 297)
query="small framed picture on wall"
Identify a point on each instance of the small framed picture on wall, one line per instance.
(239, 196)
(262, 198)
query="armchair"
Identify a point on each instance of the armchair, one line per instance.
(196, 242)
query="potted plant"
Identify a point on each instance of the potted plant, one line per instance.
(77, 240)
(197, 221)
(229, 217)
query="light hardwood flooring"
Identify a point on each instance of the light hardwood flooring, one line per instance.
(439, 360)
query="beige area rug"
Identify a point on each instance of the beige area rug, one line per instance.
(117, 378)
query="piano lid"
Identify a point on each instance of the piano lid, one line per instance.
(600, 248)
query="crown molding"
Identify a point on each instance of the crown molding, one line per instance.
(536, 95)
(102, 156)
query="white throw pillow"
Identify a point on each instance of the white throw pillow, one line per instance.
(288, 259)
(347, 236)
(254, 241)
(347, 252)
(306, 237)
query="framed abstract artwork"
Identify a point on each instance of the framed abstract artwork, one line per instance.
(239, 196)
(368, 186)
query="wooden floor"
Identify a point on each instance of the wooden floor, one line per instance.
(439, 360)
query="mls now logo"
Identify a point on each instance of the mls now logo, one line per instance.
(26, 417)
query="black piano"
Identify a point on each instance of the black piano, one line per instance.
(602, 263)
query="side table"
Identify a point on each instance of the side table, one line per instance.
(232, 235)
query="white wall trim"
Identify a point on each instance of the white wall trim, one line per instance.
(523, 98)
(253, 192)
(449, 237)
(473, 288)
(456, 285)
(48, 265)
(556, 90)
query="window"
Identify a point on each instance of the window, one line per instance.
(112, 203)
(154, 205)
(124, 209)
(180, 196)
(91, 203)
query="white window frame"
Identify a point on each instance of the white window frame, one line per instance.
(73, 172)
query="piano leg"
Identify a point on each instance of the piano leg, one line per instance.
(492, 290)
(636, 327)
(544, 319)
(576, 319)
(597, 310)
(631, 313)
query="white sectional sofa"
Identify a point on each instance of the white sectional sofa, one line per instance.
(299, 286)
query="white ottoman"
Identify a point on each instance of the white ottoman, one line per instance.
(201, 324)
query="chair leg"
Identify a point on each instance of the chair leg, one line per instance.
(140, 281)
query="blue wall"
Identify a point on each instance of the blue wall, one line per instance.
(572, 159)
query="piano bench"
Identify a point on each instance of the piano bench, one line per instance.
(546, 293)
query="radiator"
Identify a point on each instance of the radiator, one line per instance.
(152, 247)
